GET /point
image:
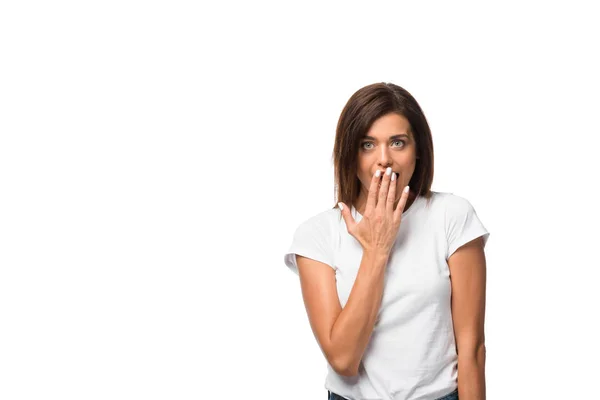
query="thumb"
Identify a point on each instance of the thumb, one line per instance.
(350, 222)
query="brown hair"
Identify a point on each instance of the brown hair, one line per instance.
(362, 109)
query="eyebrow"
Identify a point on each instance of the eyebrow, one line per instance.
(391, 137)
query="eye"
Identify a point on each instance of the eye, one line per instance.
(363, 144)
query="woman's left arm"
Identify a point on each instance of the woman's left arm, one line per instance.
(468, 278)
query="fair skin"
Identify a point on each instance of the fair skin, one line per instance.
(468, 277)
(382, 148)
(343, 334)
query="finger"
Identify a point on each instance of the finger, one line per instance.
(372, 197)
(348, 218)
(391, 198)
(401, 204)
(383, 190)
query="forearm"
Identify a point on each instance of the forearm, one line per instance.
(471, 376)
(353, 328)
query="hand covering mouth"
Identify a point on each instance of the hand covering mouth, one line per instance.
(395, 173)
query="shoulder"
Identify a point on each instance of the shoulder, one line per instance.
(448, 206)
(314, 238)
(324, 221)
(438, 201)
(454, 202)
(448, 201)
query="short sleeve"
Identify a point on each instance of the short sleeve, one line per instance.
(462, 224)
(312, 239)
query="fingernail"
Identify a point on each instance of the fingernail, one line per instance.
(378, 173)
(406, 189)
(341, 206)
(388, 170)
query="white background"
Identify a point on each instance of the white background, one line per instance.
(156, 158)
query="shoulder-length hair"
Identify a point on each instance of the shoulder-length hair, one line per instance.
(362, 109)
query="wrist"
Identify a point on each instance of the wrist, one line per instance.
(377, 255)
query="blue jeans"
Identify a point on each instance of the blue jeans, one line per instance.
(451, 396)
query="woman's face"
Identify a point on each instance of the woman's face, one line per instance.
(388, 143)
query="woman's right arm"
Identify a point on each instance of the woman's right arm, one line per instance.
(343, 334)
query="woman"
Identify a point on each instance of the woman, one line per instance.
(393, 281)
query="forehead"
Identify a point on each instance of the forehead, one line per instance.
(389, 125)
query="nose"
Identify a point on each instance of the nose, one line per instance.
(384, 158)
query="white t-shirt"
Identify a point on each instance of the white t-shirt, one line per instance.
(412, 353)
